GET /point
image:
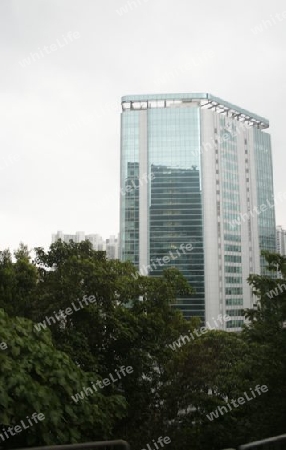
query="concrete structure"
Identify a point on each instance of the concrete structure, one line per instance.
(197, 169)
(112, 247)
(280, 240)
(97, 242)
(109, 245)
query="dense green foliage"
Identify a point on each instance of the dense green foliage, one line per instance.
(131, 322)
(35, 377)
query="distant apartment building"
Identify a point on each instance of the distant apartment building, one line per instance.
(112, 247)
(109, 245)
(97, 241)
(280, 240)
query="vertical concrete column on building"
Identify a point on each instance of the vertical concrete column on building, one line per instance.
(210, 217)
(143, 191)
(254, 203)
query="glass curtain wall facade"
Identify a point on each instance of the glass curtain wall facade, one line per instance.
(173, 209)
(175, 200)
(129, 198)
(265, 195)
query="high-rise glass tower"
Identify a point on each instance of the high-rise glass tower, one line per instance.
(197, 170)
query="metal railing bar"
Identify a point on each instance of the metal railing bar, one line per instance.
(83, 446)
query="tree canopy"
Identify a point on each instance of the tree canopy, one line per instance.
(73, 318)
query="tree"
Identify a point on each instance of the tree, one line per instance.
(37, 378)
(267, 332)
(18, 282)
(204, 375)
(130, 324)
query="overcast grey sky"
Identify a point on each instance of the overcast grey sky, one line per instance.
(60, 95)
